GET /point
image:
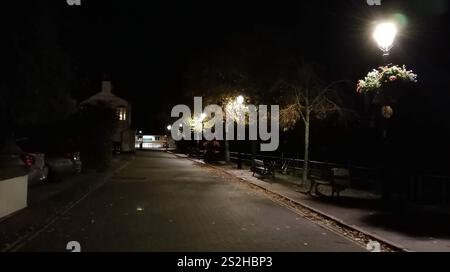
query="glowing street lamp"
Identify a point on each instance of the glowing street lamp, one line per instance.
(169, 127)
(236, 109)
(240, 100)
(384, 35)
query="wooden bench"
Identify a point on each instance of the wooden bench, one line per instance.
(337, 178)
(263, 168)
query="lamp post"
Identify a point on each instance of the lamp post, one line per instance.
(384, 35)
(235, 105)
(196, 124)
(139, 137)
(166, 142)
(240, 100)
(201, 119)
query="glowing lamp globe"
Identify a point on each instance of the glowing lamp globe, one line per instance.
(240, 100)
(384, 35)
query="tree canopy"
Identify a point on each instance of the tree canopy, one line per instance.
(36, 73)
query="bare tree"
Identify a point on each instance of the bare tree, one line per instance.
(303, 98)
(220, 77)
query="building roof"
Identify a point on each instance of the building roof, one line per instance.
(106, 95)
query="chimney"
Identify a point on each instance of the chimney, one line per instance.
(106, 86)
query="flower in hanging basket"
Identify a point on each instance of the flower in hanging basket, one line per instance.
(377, 78)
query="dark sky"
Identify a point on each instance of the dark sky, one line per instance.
(146, 46)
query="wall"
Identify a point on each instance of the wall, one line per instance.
(13, 195)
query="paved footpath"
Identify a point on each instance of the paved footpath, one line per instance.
(422, 231)
(160, 202)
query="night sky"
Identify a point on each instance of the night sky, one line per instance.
(147, 47)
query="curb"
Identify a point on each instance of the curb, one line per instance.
(324, 214)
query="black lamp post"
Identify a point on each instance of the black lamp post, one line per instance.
(384, 35)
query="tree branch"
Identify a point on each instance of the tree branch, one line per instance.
(300, 106)
(326, 89)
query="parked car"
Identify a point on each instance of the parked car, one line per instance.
(15, 162)
(59, 163)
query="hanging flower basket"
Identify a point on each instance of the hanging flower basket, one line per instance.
(382, 78)
(386, 83)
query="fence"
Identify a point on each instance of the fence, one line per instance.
(412, 187)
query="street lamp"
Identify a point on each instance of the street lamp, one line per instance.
(139, 139)
(166, 141)
(238, 111)
(196, 125)
(240, 100)
(384, 34)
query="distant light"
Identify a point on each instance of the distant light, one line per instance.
(202, 116)
(384, 35)
(140, 131)
(240, 99)
(169, 127)
(139, 209)
(181, 125)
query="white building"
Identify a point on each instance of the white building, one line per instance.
(123, 136)
(154, 142)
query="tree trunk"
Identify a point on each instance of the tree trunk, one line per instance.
(306, 152)
(239, 166)
(254, 148)
(226, 143)
(227, 151)
(227, 146)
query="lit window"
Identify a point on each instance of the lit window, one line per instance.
(122, 113)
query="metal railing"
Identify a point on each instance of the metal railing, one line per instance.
(415, 187)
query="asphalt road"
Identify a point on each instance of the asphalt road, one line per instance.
(160, 202)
